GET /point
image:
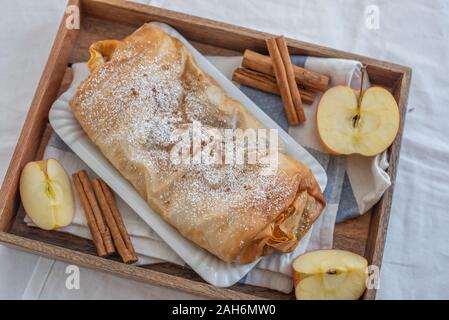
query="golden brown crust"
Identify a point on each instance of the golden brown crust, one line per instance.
(147, 86)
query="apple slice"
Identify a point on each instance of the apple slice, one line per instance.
(329, 275)
(374, 130)
(46, 194)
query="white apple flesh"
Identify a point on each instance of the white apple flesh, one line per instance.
(330, 274)
(46, 194)
(371, 134)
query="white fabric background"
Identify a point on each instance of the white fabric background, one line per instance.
(414, 33)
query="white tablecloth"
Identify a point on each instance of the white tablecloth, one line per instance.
(414, 33)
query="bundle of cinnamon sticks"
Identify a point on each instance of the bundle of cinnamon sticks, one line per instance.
(277, 75)
(103, 218)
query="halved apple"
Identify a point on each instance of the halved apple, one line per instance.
(46, 194)
(329, 275)
(345, 128)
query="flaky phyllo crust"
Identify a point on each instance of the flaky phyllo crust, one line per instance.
(140, 90)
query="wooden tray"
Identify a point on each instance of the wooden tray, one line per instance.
(101, 19)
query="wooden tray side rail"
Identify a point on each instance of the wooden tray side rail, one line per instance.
(230, 36)
(36, 120)
(381, 212)
(101, 19)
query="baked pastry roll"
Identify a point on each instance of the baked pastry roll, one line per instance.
(143, 89)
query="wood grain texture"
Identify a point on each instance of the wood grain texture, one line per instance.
(86, 246)
(352, 234)
(36, 120)
(94, 29)
(222, 34)
(115, 19)
(118, 268)
(381, 212)
(66, 81)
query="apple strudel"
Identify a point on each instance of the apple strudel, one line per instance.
(143, 89)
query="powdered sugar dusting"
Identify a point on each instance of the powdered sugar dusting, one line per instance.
(138, 100)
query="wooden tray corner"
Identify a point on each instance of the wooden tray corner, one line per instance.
(101, 19)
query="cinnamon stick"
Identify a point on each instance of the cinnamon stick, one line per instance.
(282, 82)
(266, 83)
(92, 224)
(296, 97)
(104, 230)
(303, 77)
(115, 232)
(118, 218)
